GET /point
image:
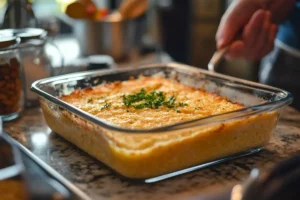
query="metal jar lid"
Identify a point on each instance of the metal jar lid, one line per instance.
(25, 33)
(8, 41)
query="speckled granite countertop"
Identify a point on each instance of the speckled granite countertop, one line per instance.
(99, 182)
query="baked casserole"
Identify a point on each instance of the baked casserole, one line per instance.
(149, 102)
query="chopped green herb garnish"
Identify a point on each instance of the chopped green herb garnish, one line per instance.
(90, 100)
(182, 104)
(153, 99)
(106, 105)
(171, 102)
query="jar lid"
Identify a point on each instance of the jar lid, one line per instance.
(25, 33)
(8, 41)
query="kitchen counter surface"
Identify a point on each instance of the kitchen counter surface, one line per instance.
(99, 182)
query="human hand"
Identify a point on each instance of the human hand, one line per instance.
(257, 26)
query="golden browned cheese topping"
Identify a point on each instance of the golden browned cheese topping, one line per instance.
(149, 102)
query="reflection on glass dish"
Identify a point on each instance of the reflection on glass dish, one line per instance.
(165, 148)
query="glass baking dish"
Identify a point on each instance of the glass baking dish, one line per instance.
(155, 154)
(12, 172)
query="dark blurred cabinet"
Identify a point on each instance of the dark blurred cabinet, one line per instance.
(174, 27)
(188, 28)
(205, 17)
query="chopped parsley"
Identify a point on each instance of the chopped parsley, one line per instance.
(90, 100)
(153, 99)
(170, 103)
(106, 105)
(182, 104)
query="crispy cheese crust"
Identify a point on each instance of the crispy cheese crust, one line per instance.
(197, 103)
(153, 154)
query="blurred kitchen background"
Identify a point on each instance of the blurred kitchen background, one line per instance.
(181, 30)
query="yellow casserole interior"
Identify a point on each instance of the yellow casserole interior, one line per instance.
(149, 155)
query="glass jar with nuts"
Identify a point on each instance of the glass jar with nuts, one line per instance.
(36, 62)
(11, 102)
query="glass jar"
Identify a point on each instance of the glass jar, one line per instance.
(35, 61)
(11, 95)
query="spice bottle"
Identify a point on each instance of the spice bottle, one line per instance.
(11, 102)
(35, 61)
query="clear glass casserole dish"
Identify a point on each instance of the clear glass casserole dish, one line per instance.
(163, 152)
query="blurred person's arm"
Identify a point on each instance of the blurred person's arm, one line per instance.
(255, 21)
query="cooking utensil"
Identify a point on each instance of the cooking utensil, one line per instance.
(217, 58)
(118, 34)
(132, 8)
(114, 37)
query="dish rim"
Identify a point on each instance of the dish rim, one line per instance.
(286, 98)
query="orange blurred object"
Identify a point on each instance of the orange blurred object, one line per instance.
(76, 10)
(91, 9)
(86, 9)
(133, 8)
(100, 14)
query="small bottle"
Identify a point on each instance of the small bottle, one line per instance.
(11, 95)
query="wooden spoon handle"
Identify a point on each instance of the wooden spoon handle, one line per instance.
(133, 8)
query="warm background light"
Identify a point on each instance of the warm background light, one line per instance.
(62, 3)
(2, 3)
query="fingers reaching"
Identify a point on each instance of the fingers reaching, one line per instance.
(252, 34)
(235, 18)
(262, 41)
(258, 38)
(236, 50)
(267, 37)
